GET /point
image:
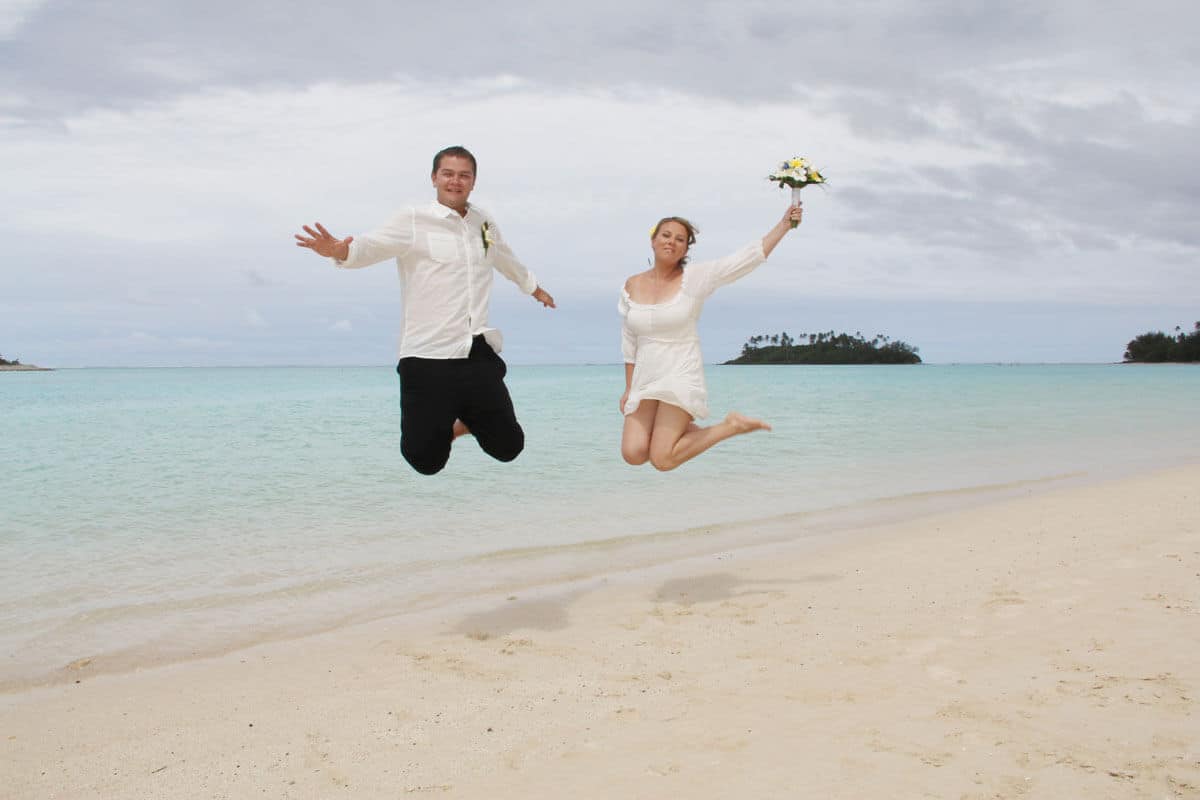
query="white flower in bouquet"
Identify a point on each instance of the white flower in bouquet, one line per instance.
(797, 173)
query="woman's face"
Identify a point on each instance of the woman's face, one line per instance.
(670, 244)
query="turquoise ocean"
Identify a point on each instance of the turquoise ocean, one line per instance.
(157, 514)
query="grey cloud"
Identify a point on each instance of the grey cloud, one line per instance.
(74, 54)
(1091, 170)
(255, 278)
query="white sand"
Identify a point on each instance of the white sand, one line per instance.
(1043, 647)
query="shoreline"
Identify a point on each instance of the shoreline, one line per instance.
(546, 568)
(24, 368)
(1036, 644)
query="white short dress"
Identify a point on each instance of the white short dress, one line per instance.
(660, 339)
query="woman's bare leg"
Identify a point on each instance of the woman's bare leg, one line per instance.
(635, 436)
(676, 438)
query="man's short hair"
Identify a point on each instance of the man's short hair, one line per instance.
(456, 150)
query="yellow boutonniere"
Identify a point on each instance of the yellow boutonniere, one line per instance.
(488, 241)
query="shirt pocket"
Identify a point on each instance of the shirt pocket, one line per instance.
(442, 247)
(479, 251)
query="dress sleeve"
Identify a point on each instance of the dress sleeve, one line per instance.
(505, 260)
(705, 277)
(393, 239)
(628, 339)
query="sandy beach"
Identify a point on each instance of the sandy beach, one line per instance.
(1037, 646)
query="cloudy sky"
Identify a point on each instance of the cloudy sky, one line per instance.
(1008, 181)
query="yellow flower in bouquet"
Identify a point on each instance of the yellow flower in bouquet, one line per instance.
(797, 173)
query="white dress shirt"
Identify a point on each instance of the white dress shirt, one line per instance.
(445, 276)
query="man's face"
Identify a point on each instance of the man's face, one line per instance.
(454, 180)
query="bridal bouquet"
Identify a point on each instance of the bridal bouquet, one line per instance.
(796, 173)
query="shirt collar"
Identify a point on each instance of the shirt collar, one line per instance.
(448, 212)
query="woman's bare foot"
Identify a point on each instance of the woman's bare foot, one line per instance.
(460, 429)
(743, 424)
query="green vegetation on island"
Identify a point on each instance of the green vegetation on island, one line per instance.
(825, 348)
(1156, 347)
(16, 366)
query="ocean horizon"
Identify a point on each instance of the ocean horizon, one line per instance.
(158, 513)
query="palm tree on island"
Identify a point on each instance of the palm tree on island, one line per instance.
(1157, 347)
(825, 348)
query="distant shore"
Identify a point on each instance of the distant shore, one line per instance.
(24, 368)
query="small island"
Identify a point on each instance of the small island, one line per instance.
(16, 366)
(1157, 347)
(826, 348)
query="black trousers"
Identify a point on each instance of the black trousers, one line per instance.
(436, 391)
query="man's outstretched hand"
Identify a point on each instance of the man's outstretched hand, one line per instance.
(543, 297)
(323, 243)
